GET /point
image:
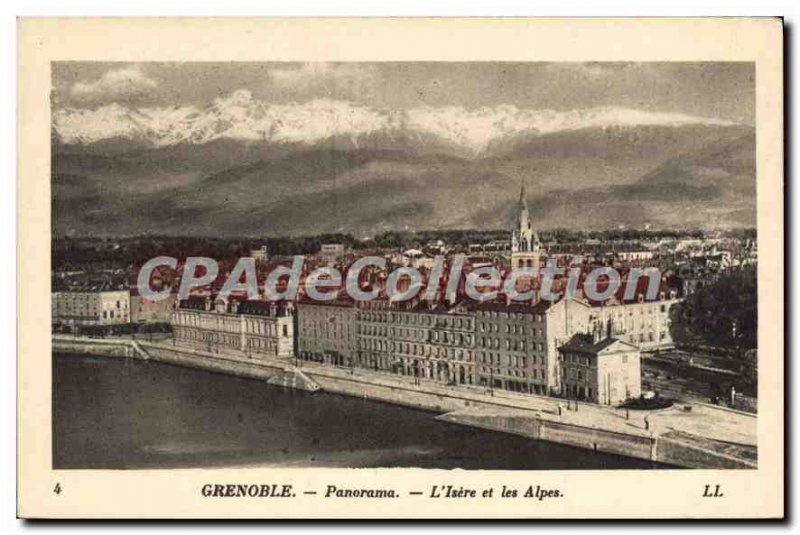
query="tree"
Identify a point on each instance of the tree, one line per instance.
(723, 313)
(750, 369)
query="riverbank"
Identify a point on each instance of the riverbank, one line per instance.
(705, 437)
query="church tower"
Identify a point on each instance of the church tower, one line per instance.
(526, 249)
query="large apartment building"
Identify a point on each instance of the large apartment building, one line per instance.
(91, 307)
(145, 310)
(513, 347)
(328, 333)
(497, 345)
(428, 341)
(645, 324)
(600, 368)
(434, 342)
(518, 344)
(252, 328)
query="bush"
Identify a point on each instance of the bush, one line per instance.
(644, 404)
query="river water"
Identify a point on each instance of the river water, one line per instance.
(128, 414)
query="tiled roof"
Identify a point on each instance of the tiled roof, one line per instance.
(585, 344)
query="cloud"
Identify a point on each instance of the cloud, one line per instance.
(594, 70)
(121, 83)
(318, 79)
(641, 192)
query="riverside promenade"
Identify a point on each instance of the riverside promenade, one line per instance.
(704, 437)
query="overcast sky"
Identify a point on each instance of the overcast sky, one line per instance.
(715, 90)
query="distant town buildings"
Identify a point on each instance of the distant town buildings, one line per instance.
(414, 258)
(634, 255)
(331, 253)
(260, 254)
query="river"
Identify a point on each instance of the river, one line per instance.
(115, 413)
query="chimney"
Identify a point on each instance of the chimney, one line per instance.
(597, 332)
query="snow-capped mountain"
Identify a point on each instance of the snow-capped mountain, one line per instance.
(239, 116)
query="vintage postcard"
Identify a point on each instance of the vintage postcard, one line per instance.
(401, 268)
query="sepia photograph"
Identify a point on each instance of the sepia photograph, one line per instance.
(471, 267)
(579, 168)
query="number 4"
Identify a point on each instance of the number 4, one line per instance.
(57, 490)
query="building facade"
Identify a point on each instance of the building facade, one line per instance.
(645, 324)
(600, 368)
(428, 341)
(518, 344)
(511, 347)
(253, 328)
(417, 340)
(146, 311)
(508, 346)
(327, 332)
(101, 307)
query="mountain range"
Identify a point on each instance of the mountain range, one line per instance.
(240, 166)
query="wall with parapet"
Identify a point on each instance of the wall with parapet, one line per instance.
(461, 407)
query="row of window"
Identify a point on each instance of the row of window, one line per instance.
(416, 319)
(266, 329)
(511, 360)
(205, 337)
(229, 325)
(509, 344)
(535, 374)
(510, 329)
(538, 318)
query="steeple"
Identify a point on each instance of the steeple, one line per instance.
(525, 246)
(523, 203)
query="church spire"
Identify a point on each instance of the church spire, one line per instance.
(525, 245)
